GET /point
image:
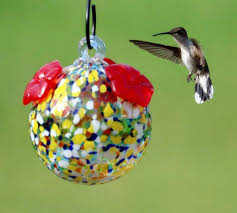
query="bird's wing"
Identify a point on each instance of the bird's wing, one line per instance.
(167, 52)
(200, 60)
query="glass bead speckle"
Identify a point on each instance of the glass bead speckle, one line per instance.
(83, 133)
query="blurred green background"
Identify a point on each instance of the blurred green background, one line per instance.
(190, 165)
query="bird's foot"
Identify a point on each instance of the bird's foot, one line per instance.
(189, 78)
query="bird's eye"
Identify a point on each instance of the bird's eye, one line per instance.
(182, 32)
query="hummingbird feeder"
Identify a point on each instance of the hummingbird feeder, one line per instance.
(90, 121)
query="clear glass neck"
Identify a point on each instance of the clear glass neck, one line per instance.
(99, 47)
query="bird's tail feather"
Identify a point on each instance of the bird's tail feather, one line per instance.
(203, 88)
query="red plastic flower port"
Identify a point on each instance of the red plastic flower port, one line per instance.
(44, 81)
(109, 61)
(129, 84)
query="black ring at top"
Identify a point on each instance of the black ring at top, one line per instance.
(88, 23)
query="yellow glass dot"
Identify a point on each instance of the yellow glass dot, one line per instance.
(66, 124)
(103, 88)
(56, 129)
(35, 126)
(41, 128)
(50, 154)
(53, 145)
(108, 111)
(130, 140)
(43, 106)
(89, 145)
(95, 75)
(43, 140)
(82, 112)
(33, 115)
(91, 78)
(72, 168)
(129, 153)
(143, 119)
(81, 81)
(91, 129)
(103, 138)
(76, 94)
(115, 125)
(78, 139)
(116, 139)
(113, 150)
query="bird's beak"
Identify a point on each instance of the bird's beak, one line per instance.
(167, 33)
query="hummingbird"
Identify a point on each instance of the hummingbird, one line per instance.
(189, 54)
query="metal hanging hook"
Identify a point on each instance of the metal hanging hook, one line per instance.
(88, 23)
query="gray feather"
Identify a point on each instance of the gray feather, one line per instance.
(163, 51)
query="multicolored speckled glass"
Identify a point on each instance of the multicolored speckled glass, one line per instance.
(83, 132)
